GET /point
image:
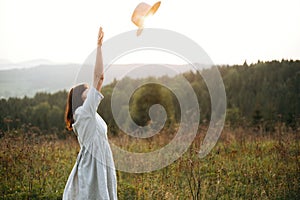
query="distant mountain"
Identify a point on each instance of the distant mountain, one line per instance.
(7, 64)
(27, 81)
(43, 78)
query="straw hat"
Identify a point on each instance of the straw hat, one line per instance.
(142, 11)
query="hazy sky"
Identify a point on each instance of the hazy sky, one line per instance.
(230, 31)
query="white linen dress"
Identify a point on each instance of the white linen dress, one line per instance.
(93, 175)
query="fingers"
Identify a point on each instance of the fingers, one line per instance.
(100, 36)
(100, 32)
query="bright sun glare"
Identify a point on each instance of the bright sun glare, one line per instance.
(230, 31)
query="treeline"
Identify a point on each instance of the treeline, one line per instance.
(259, 95)
(44, 111)
(263, 94)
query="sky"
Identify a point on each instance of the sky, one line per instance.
(230, 31)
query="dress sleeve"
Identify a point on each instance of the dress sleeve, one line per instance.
(92, 101)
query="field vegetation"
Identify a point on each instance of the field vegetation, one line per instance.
(243, 165)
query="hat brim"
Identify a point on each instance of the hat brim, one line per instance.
(153, 9)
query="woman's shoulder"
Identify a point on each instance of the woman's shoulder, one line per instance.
(97, 93)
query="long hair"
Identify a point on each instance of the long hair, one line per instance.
(74, 100)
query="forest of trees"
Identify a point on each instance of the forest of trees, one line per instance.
(259, 95)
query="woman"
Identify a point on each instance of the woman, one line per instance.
(93, 175)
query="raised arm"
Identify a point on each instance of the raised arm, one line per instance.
(98, 70)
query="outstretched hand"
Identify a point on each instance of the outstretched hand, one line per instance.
(100, 37)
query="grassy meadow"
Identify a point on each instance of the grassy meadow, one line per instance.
(243, 165)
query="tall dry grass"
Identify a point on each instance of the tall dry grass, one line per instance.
(243, 165)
